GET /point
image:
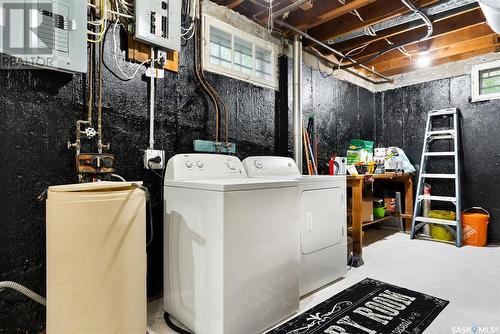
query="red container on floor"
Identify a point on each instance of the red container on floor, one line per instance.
(475, 226)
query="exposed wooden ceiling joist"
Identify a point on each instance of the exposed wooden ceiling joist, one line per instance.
(373, 13)
(441, 27)
(459, 28)
(234, 3)
(459, 57)
(408, 33)
(394, 66)
(436, 43)
(323, 11)
(278, 7)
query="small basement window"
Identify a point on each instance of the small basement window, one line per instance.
(232, 52)
(486, 81)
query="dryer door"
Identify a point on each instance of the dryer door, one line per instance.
(321, 219)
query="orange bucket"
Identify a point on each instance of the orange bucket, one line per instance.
(475, 226)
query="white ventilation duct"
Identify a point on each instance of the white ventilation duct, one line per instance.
(491, 10)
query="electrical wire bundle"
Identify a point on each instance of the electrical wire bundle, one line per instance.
(270, 19)
(100, 25)
(353, 12)
(400, 46)
(123, 10)
(369, 31)
(188, 15)
(117, 63)
(123, 13)
(126, 7)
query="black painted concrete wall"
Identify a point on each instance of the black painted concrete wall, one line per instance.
(38, 109)
(400, 121)
(341, 110)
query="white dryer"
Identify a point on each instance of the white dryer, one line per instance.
(323, 230)
(231, 261)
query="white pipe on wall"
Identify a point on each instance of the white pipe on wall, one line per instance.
(297, 101)
(152, 102)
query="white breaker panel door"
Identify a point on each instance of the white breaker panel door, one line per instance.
(321, 225)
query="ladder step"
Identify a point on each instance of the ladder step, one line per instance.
(431, 138)
(437, 198)
(439, 154)
(443, 112)
(436, 221)
(438, 176)
(440, 132)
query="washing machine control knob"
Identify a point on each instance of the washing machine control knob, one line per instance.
(199, 164)
(258, 164)
(189, 164)
(231, 165)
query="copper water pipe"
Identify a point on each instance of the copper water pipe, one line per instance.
(91, 86)
(198, 71)
(78, 143)
(100, 145)
(214, 92)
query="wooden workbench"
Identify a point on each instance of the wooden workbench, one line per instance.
(357, 183)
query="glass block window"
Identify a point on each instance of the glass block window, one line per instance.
(232, 52)
(220, 48)
(263, 63)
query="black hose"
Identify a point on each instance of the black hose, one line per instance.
(170, 324)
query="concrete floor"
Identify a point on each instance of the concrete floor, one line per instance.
(469, 277)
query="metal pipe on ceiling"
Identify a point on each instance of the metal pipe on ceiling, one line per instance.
(297, 101)
(437, 11)
(424, 18)
(264, 11)
(289, 8)
(336, 64)
(329, 48)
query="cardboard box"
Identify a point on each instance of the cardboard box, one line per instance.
(367, 209)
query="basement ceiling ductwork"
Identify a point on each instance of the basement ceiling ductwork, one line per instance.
(491, 10)
(435, 12)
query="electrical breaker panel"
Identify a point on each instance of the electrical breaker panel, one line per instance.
(158, 22)
(44, 33)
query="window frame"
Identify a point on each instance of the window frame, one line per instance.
(210, 21)
(476, 82)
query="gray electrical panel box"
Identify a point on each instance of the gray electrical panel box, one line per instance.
(158, 22)
(44, 33)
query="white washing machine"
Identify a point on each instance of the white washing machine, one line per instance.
(231, 261)
(323, 229)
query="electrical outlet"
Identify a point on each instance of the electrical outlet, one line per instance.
(154, 159)
(157, 73)
(162, 56)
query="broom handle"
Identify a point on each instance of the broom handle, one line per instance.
(312, 154)
(304, 133)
